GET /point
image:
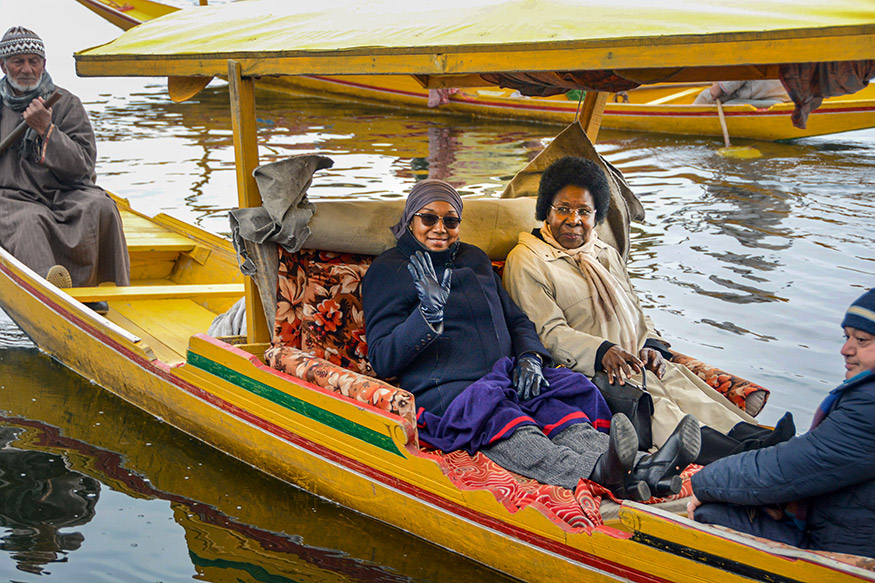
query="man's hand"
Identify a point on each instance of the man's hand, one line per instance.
(620, 365)
(691, 507)
(653, 361)
(38, 117)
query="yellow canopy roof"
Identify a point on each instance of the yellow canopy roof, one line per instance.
(718, 39)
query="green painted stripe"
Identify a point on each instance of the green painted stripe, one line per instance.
(291, 403)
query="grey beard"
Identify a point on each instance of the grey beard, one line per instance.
(21, 88)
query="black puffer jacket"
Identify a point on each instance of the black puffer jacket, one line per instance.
(832, 466)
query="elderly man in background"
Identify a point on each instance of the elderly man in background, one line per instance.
(53, 217)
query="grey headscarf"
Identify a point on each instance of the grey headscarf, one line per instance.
(422, 193)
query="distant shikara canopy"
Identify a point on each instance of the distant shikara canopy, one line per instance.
(638, 40)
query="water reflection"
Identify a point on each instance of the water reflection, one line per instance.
(41, 497)
(68, 440)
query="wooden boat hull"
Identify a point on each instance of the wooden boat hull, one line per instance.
(360, 457)
(836, 115)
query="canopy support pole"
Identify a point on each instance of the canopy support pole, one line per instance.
(243, 123)
(591, 113)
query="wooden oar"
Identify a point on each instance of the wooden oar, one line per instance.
(730, 150)
(22, 127)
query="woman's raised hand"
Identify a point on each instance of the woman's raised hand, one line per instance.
(432, 295)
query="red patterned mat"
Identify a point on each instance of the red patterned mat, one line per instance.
(571, 511)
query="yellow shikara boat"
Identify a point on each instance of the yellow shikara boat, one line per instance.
(361, 451)
(663, 108)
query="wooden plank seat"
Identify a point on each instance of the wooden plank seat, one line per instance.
(156, 292)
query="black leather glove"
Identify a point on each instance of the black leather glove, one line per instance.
(528, 378)
(432, 295)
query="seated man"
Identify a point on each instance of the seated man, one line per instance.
(760, 93)
(816, 491)
(52, 215)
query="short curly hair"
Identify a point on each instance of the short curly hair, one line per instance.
(581, 172)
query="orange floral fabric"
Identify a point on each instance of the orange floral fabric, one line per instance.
(363, 389)
(734, 388)
(319, 306)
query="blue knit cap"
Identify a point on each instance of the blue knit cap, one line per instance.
(861, 314)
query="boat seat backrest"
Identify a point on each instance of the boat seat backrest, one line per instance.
(319, 306)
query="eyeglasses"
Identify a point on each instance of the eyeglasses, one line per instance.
(430, 220)
(564, 211)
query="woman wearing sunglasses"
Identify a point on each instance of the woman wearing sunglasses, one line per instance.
(438, 321)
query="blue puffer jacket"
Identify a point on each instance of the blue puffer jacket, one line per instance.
(832, 466)
(481, 324)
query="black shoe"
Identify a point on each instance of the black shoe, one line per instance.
(612, 468)
(99, 307)
(660, 470)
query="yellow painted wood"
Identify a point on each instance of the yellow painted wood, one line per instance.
(184, 88)
(591, 113)
(155, 292)
(790, 563)
(242, 93)
(713, 52)
(172, 322)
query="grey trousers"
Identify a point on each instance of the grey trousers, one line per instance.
(571, 455)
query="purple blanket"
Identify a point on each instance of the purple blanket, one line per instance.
(489, 410)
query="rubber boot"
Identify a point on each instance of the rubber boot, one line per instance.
(660, 470)
(612, 468)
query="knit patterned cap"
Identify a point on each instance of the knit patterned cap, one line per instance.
(21, 41)
(861, 314)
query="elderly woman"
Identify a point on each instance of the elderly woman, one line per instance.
(576, 290)
(439, 321)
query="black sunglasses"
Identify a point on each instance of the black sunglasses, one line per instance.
(430, 220)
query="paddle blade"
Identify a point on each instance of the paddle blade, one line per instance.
(740, 152)
(184, 88)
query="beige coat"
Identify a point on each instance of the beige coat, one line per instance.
(548, 285)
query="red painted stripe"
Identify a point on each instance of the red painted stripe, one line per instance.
(708, 114)
(566, 419)
(106, 10)
(347, 462)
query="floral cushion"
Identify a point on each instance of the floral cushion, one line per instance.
(292, 280)
(332, 323)
(748, 396)
(327, 375)
(319, 306)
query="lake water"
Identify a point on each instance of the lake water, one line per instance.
(745, 264)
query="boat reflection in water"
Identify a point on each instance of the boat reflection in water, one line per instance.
(69, 445)
(40, 498)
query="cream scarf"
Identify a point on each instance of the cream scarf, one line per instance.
(619, 317)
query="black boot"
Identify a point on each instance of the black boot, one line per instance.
(612, 468)
(661, 470)
(743, 437)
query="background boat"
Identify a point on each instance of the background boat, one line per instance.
(666, 108)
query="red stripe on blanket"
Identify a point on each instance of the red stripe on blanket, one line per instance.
(510, 426)
(576, 415)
